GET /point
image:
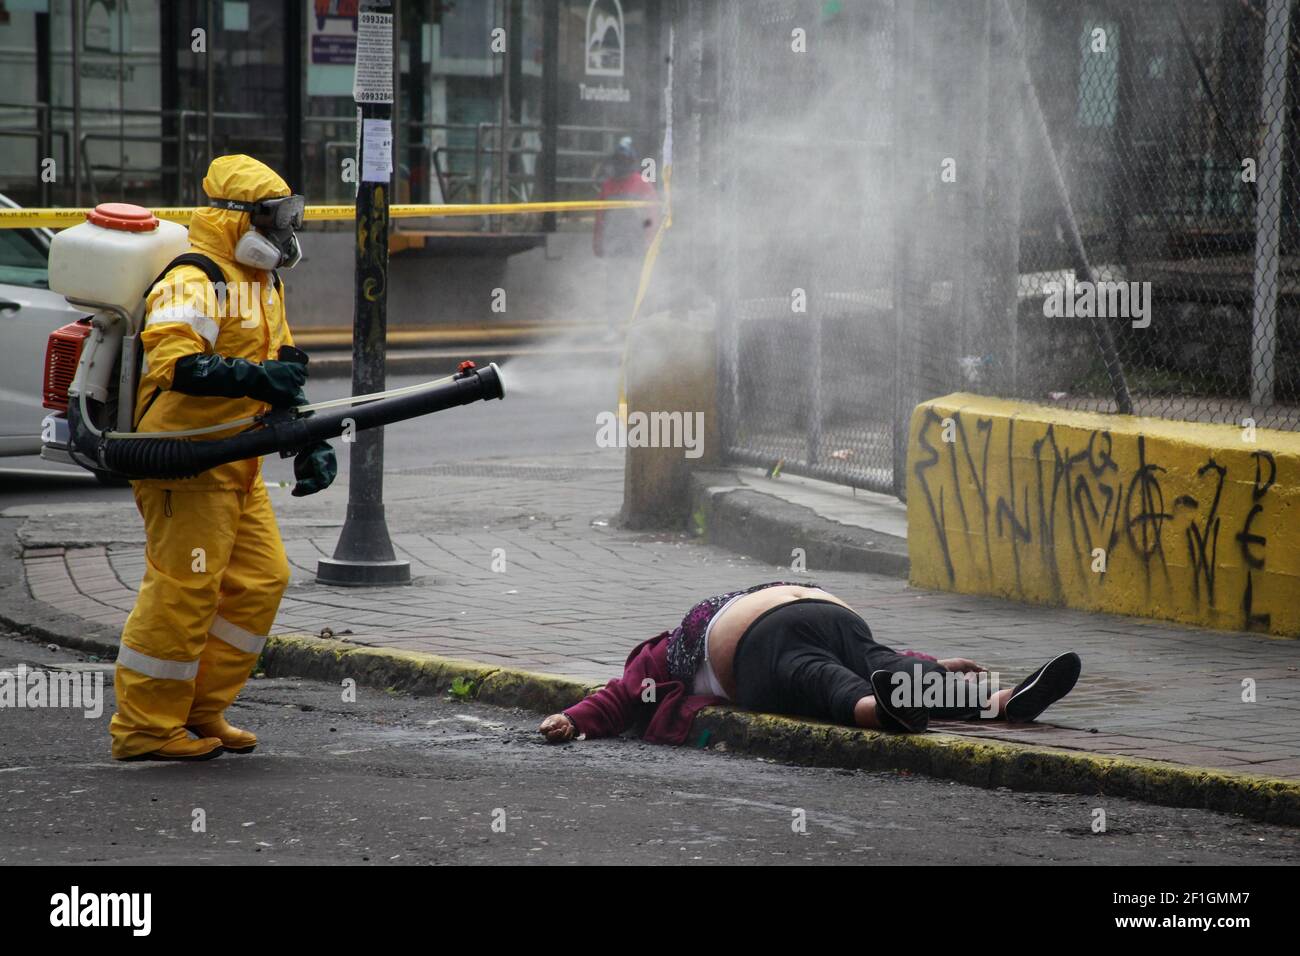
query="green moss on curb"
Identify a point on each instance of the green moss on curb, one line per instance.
(416, 673)
(544, 693)
(981, 763)
(998, 763)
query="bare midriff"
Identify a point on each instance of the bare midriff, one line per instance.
(729, 626)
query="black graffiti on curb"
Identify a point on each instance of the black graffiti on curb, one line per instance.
(1101, 506)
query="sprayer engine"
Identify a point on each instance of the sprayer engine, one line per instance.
(62, 355)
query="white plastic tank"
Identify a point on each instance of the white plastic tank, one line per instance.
(113, 256)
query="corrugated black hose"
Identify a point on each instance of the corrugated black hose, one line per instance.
(280, 432)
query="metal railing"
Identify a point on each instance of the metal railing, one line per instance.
(189, 147)
(473, 172)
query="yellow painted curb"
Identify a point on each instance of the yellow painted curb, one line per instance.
(1189, 522)
(339, 336)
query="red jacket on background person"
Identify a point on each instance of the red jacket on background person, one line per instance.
(625, 233)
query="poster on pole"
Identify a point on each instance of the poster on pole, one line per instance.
(373, 80)
(376, 151)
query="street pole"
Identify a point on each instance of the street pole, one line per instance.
(76, 104)
(210, 80)
(1268, 202)
(364, 555)
(550, 105)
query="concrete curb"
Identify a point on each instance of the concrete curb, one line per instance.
(981, 763)
(446, 336)
(768, 528)
(21, 613)
(958, 552)
(998, 763)
(404, 361)
(414, 350)
(417, 673)
(399, 362)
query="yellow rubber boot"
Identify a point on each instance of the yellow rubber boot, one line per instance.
(233, 739)
(150, 713)
(223, 670)
(205, 748)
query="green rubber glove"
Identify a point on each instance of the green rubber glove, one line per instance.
(315, 468)
(279, 384)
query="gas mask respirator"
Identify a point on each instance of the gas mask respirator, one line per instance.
(272, 242)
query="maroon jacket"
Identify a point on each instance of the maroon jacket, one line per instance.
(667, 703)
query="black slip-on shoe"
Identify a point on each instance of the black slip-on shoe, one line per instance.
(1043, 688)
(901, 720)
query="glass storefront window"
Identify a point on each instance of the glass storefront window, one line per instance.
(163, 85)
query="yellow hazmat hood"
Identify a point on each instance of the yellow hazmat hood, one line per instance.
(239, 177)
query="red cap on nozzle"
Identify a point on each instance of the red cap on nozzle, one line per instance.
(464, 368)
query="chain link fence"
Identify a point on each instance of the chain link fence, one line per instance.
(805, 123)
(1086, 204)
(1173, 124)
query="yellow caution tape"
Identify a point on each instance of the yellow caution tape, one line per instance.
(501, 208)
(63, 218)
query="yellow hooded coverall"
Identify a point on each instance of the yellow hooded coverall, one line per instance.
(215, 566)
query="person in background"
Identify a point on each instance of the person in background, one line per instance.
(788, 649)
(622, 236)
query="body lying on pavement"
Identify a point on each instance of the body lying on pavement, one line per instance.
(799, 650)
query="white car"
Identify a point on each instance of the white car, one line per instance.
(29, 312)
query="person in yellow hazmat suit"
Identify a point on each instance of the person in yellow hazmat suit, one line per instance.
(216, 348)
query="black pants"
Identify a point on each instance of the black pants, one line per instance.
(813, 658)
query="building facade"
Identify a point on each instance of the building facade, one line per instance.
(497, 100)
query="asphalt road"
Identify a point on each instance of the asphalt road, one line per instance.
(399, 780)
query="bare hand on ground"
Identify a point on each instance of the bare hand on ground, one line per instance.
(557, 728)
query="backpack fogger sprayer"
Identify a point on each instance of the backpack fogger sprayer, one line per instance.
(107, 266)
